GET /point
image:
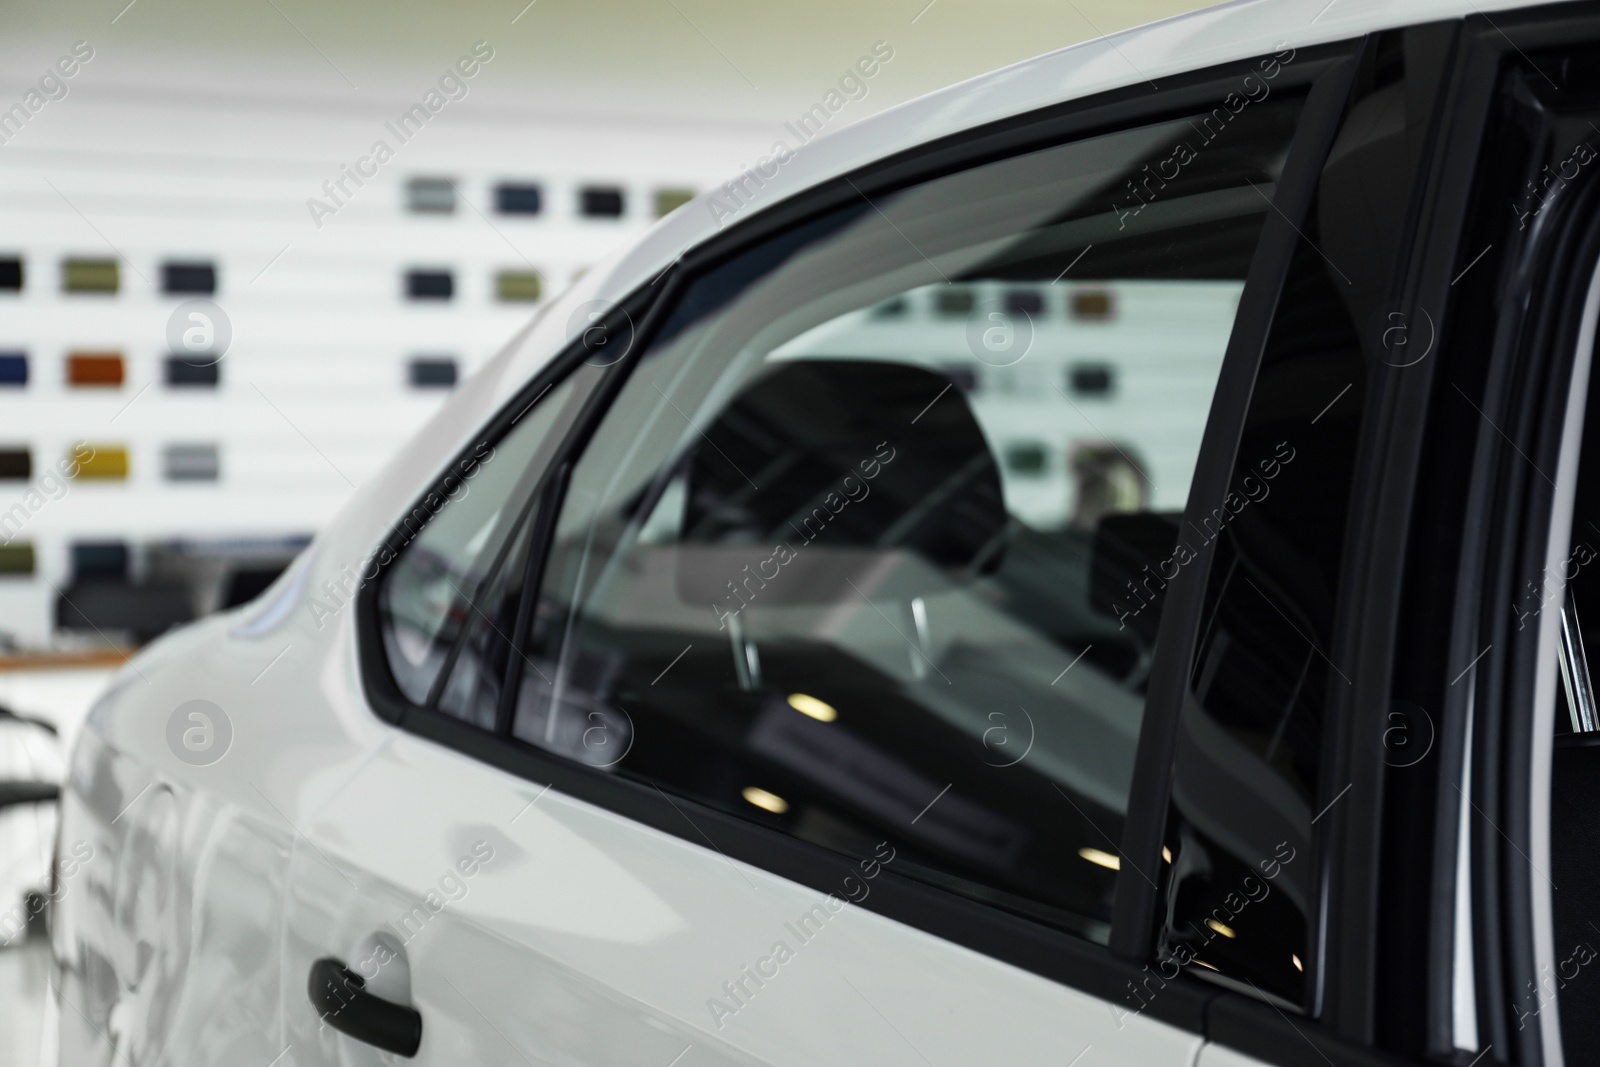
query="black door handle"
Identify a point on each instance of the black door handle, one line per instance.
(341, 998)
(27, 792)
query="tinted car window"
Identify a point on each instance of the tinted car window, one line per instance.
(459, 535)
(861, 550)
(1249, 787)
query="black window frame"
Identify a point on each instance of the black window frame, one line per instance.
(1453, 519)
(1374, 887)
(1498, 412)
(1323, 74)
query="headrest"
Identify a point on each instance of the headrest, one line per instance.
(853, 463)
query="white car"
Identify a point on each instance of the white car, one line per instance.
(1082, 568)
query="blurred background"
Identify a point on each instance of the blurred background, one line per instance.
(246, 248)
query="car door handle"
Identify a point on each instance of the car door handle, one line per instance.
(12, 793)
(341, 998)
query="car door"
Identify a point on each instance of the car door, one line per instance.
(771, 686)
(1517, 294)
(1429, 766)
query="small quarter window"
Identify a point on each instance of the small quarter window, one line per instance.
(455, 540)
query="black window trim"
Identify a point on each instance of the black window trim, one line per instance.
(1364, 830)
(1520, 377)
(1134, 925)
(1542, 352)
(1322, 72)
(1356, 842)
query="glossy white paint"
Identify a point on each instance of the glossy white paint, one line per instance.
(581, 938)
(1217, 1056)
(588, 939)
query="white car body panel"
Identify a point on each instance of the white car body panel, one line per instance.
(1217, 1056)
(588, 939)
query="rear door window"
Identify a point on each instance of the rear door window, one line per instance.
(869, 546)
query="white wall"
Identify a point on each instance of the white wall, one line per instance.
(200, 131)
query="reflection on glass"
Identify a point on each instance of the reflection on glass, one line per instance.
(459, 535)
(870, 532)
